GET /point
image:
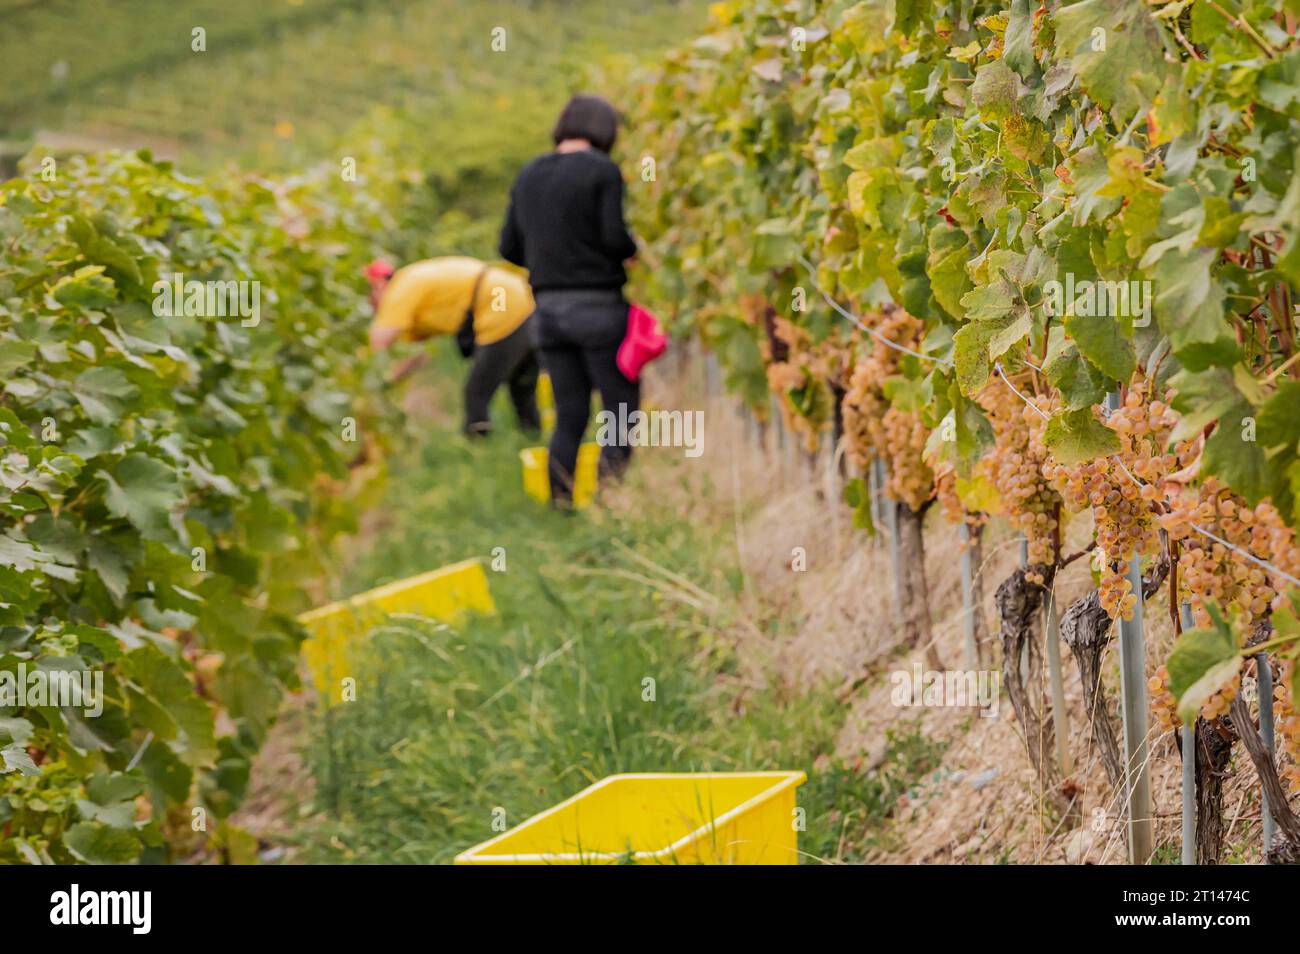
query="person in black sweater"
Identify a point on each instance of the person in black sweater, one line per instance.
(565, 225)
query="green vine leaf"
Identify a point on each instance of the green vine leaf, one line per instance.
(1115, 49)
(1202, 662)
(1075, 436)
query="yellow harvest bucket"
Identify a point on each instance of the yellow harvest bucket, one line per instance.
(445, 594)
(538, 485)
(546, 402)
(737, 818)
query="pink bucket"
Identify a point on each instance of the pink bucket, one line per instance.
(644, 342)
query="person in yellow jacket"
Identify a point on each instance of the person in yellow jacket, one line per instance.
(487, 308)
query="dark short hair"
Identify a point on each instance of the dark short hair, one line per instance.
(590, 118)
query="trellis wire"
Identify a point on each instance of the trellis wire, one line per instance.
(858, 323)
(1002, 374)
(1263, 564)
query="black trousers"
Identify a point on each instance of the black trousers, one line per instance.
(512, 362)
(578, 332)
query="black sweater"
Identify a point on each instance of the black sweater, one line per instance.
(565, 222)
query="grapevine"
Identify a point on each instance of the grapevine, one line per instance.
(196, 471)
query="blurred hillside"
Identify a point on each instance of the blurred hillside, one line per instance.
(278, 82)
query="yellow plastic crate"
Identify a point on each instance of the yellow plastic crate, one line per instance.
(444, 594)
(538, 485)
(738, 818)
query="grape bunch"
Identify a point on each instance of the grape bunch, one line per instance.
(1016, 467)
(807, 369)
(782, 378)
(1124, 493)
(790, 374)
(1218, 704)
(874, 427)
(1122, 521)
(1208, 571)
(1164, 707)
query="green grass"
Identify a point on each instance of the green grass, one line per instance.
(522, 710)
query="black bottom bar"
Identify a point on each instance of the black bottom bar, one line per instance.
(335, 904)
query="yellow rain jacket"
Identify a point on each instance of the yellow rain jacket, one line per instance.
(430, 298)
